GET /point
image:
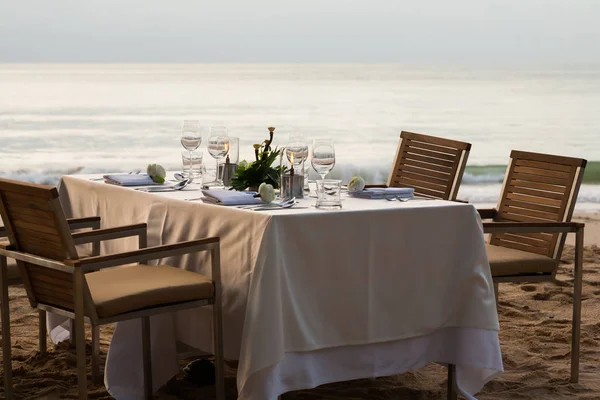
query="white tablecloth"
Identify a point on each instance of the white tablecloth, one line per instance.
(311, 296)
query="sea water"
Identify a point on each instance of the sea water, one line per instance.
(59, 119)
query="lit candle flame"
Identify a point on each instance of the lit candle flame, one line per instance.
(292, 158)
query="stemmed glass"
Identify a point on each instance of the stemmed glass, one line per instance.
(323, 156)
(296, 150)
(191, 138)
(218, 147)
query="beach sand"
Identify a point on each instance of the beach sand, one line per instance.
(535, 332)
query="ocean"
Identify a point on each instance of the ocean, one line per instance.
(58, 119)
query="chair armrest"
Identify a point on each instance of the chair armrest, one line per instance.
(118, 232)
(375, 186)
(487, 213)
(86, 222)
(532, 227)
(143, 255)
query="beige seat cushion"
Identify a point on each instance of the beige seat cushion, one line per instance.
(505, 262)
(125, 289)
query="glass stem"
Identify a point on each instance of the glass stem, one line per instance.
(191, 163)
(220, 172)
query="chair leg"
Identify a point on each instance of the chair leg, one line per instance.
(147, 357)
(576, 330)
(218, 326)
(96, 377)
(452, 394)
(218, 348)
(43, 334)
(6, 343)
(73, 337)
(496, 292)
(79, 328)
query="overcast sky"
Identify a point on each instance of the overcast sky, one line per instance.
(334, 31)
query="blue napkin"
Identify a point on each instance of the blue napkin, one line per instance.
(381, 193)
(230, 197)
(129, 179)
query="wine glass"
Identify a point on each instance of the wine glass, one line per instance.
(218, 147)
(296, 150)
(191, 138)
(323, 156)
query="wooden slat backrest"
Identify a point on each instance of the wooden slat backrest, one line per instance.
(36, 224)
(431, 165)
(538, 188)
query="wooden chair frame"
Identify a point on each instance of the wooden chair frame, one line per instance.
(84, 310)
(561, 227)
(434, 166)
(74, 224)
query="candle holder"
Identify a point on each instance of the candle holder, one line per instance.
(292, 185)
(230, 166)
(292, 180)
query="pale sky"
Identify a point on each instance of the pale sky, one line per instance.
(307, 31)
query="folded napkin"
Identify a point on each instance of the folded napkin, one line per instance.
(230, 197)
(380, 193)
(129, 179)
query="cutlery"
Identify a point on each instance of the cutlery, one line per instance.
(177, 186)
(178, 176)
(277, 208)
(284, 204)
(398, 198)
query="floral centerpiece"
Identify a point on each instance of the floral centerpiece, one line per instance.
(251, 175)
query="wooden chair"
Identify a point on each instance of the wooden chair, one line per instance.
(530, 224)
(14, 277)
(433, 166)
(57, 280)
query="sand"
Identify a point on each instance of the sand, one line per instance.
(535, 322)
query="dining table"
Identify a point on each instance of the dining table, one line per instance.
(310, 296)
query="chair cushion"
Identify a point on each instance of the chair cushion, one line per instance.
(505, 261)
(125, 289)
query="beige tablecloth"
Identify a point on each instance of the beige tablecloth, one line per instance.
(305, 287)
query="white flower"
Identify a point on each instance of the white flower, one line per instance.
(156, 172)
(356, 184)
(266, 192)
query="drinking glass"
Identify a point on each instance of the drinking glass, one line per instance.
(218, 147)
(191, 137)
(192, 162)
(323, 156)
(296, 150)
(328, 194)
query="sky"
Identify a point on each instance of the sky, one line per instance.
(307, 31)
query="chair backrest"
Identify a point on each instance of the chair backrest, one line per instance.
(36, 224)
(431, 165)
(538, 188)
